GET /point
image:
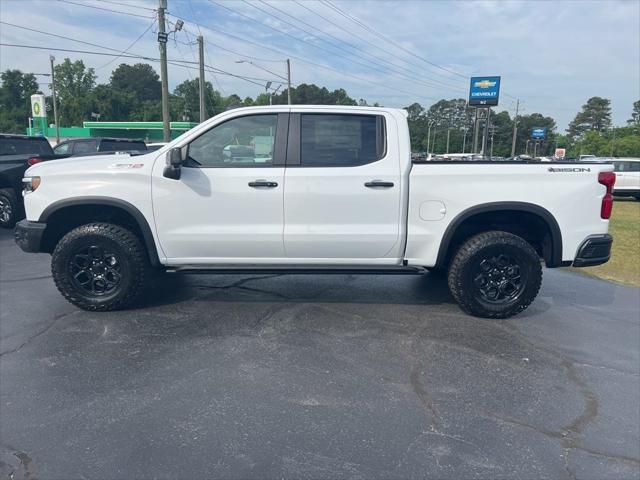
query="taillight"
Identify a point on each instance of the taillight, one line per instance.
(608, 179)
(33, 160)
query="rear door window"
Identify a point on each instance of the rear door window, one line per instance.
(24, 146)
(84, 146)
(338, 140)
(62, 148)
(633, 166)
(121, 146)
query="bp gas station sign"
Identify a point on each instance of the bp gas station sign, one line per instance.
(39, 113)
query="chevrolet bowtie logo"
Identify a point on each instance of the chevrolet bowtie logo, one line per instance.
(484, 84)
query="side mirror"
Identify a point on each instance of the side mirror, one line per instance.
(174, 162)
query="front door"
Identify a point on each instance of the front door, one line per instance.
(227, 205)
(342, 189)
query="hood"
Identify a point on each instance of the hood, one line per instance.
(92, 163)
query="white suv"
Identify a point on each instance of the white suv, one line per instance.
(627, 177)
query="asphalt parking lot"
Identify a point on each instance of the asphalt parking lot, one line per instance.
(334, 376)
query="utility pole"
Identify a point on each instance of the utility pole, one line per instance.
(613, 142)
(203, 111)
(289, 81)
(448, 133)
(54, 98)
(164, 77)
(493, 130)
(476, 127)
(515, 130)
(485, 135)
(464, 140)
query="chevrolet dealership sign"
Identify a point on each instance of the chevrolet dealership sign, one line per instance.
(484, 91)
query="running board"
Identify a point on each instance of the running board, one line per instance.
(305, 270)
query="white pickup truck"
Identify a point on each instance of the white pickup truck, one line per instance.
(330, 189)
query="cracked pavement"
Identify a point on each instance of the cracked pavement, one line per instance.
(287, 376)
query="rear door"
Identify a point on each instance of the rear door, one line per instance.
(342, 188)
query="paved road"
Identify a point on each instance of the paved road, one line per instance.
(318, 377)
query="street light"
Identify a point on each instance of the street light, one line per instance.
(431, 122)
(287, 78)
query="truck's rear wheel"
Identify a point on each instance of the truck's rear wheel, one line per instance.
(495, 275)
(9, 208)
(99, 266)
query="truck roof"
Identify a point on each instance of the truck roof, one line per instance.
(18, 136)
(324, 108)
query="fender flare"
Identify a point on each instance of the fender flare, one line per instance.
(137, 215)
(543, 213)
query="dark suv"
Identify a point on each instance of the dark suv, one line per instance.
(93, 146)
(17, 153)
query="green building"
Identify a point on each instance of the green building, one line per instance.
(148, 131)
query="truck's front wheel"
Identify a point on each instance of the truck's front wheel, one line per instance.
(495, 275)
(99, 266)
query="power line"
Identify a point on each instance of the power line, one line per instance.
(126, 5)
(392, 42)
(319, 65)
(206, 51)
(309, 61)
(58, 36)
(385, 38)
(119, 53)
(376, 65)
(178, 63)
(296, 38)
(130, 46)
(106, 9)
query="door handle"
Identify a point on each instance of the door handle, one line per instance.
(263, 184)
(378, 184)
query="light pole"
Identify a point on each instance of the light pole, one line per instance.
(287, 78)
(515, 129)
(464, 139)
(431, 122)
(289, 81)
(54, 98)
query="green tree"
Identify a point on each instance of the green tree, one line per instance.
(628, 146)
(74, 84)
(310, 94)
(635, 114)
(526, 123)
(16, 89)
(140, 79)
(188, 99)
(112, 104)
(595, 115)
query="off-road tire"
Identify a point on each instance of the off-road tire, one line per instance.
(131, 258)
(466, 268)
(9, 204)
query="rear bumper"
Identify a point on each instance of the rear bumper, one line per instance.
(28, 235)
(595, 250)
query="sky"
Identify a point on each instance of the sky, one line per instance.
(551, 55)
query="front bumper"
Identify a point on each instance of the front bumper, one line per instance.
(595, 250)
(28, 235)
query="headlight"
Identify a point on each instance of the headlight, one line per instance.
(30, 184)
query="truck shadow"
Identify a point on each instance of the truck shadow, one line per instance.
(428, 289)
